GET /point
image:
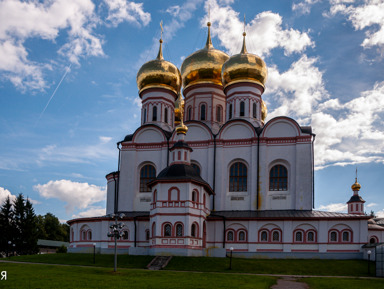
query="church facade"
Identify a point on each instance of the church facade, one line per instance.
(205, 174)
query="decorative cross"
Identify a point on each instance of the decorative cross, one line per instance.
(162, 30)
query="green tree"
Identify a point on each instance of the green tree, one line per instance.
(29, 230)
(49, 228)
(19, 219)
(6, 225)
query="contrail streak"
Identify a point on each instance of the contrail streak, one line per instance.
(54, 92)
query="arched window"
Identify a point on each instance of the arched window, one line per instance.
(275, 236)
(230, 111)
(218, 113)
(238, 177)
(84, 235)
(194, 196)
(242, 108)
(167, 230)
(145, 116)
(125, 235)
(166, 115)
(264, 236)
(147, 235)
(205, 200)
(278, 178)
(196, 167)
(154, 113)
(333, 236)
(147, 174)
(179, 230)
(189, 113)
(155, 196)
(202, 112)
(254, 110)
(194, 231)
(311, 236)
(346, 236)
(230, 236)
(373, 240)
(299, 236)
(241, 236)
(89, 235)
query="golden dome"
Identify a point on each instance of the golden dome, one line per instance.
(159, 73)
(244, 67)
(204, 65)
(356, 186)
(181, 128)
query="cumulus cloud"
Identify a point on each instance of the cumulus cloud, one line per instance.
(74, 194)
(264, 31)
(45, 20)
(304, 7)
(370, 14)
(90, 212)
(122, 10)
(4, 194)
(336, 207)
(380, 214)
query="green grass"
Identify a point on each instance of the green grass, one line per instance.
(274, 266)
(123, 261)
(336, 283)
(50, 276)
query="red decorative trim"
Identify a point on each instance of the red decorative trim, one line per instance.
(302, 250)
(156, 89)
(343, 251)
(269, 250)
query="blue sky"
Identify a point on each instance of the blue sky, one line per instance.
(68, 87)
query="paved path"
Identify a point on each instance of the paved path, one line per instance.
(289, 283)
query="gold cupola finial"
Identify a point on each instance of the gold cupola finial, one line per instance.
(208, 44)
(356, 186)
(244, 48)
(160, 54)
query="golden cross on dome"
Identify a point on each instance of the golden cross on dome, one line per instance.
(356, 174)
(162, 30)
(244, 22)
(209, 13)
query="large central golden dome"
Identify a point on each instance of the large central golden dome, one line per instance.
(204, 65)
(244, 67)
(159, 73)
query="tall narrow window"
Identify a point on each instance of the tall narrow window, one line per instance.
(278, 178)
(193, 230)
(345, 236)
(179, 230)
(242, 108)
(241, 236)
(167, 230)
(299, 237)
(264, 236)
(276, 236)
(230, 111)
(147, 174)
(166, 115)
(154, 113)
(189, 113)
(218, 113)
(230, 236)
(254, 110)
(90, 235)
(333, 237)
(311, 237)
(202, 112)
(238, 177)
(145, 116)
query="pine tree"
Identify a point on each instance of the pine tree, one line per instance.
(6, 225)
(19, 219)
(29, 230)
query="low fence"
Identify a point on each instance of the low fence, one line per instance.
(380, 261)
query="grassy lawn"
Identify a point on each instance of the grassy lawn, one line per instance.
(336, 283)
(49, 276)
(358, 268)
(274, 266)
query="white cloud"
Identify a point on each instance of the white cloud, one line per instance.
(264, 31)
(122, 10)
(370, 205)
(4, 193)
(173, 10)
(336, 207)
(74, 194)
(370, 14)
(304, 7)
(380, 214)
(90, 212)
(105, 139)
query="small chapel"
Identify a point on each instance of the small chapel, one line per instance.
(205, 173)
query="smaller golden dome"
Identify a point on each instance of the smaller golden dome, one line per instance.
(356, 186)
(204, 65)
(181, 128)
(244, 67)
(159, 73)
(179, 109)
(264, 111)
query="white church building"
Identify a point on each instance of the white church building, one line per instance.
(205, 173)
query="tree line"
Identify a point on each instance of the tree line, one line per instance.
(20, 228)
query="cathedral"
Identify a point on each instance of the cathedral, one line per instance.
(205, 174)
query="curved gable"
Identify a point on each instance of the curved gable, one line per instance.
(196, 132)
(237, 130)
(149, 134)
(281, 127)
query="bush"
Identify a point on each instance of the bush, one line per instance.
(61, 249)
